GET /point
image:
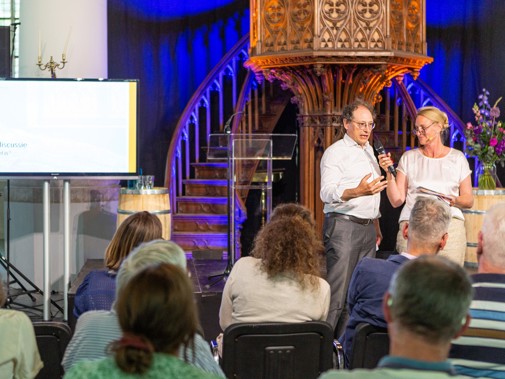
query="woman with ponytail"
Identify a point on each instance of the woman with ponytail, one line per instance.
(157, 315)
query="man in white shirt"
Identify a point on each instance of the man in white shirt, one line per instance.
(351, 183)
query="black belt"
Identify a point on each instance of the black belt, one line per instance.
(357, 220)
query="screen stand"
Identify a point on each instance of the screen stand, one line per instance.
(14, 273)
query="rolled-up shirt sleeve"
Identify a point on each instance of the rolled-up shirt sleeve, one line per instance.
(331, 176)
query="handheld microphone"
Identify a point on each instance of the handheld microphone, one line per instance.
(227, 125)
(379, 148)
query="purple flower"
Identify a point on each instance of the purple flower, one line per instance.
(493, 141)
(494, 112)
(500, 148)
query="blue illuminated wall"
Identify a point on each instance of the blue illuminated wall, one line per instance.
(170, 46)
(465, 38)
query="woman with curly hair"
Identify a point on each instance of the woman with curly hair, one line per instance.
(281, 281)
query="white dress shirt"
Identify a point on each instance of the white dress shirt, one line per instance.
(343, 166)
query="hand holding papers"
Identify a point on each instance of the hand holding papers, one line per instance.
(446, 198)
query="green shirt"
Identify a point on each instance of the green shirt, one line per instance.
(163, 366)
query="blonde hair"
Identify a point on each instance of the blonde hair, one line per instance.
(434, 114)
(146, 254)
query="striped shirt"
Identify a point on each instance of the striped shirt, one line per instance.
(96, 329)
(480, 352)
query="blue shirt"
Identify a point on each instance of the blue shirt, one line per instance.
(96, 292)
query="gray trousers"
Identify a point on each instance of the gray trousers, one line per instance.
(345, 244)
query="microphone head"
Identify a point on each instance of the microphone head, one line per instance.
(378, 146)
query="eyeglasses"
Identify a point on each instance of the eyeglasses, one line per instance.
(422, 129)
(364, 125)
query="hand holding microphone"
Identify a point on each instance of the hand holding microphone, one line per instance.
(385, 162)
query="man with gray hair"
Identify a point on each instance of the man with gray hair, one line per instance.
(425, 307)
(426, 233)
(480, 351)
(96, 329)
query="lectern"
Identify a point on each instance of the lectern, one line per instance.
(246, 153)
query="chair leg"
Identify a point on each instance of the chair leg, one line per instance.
(338, 352)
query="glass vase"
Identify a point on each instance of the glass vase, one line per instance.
(487, 176)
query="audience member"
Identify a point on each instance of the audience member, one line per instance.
(157, 315)
(281, 281)
(96, 329)
(293, 210)
(425, 307)
(426, 233)
(480, 351)
(98, 289)
(19, 354)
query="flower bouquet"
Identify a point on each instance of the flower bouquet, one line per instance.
(486, 139)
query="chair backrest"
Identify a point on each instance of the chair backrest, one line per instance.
(52, 340)
(370, 344)
(277, 350)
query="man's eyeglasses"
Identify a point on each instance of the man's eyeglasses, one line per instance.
(422, 129)
(364, 125)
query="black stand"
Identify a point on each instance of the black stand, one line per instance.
(231, 218)
(14, 272)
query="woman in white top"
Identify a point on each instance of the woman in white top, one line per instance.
(435, 167)
(281, 281)
(19, 354)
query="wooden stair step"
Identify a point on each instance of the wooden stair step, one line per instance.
(200, 223)
(210, 170)
(205, 187)
(191, 241)
(202, 204)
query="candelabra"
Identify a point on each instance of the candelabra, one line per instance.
(52, 65)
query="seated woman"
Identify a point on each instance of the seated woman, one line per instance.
(157, 314)
(281, 281)
(95, 330)
(98, 288)
(19, 354)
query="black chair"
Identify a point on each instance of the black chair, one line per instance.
(277, 350)
(52, 340)
(370, 344)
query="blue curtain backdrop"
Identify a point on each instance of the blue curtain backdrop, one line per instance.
(171, 45)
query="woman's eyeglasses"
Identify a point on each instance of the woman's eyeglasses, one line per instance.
(422, 129)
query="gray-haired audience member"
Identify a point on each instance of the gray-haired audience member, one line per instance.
(480, 351)
(96, 329)
(426, 306)
(426, 234)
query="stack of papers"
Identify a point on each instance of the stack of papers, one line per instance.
(439, 195)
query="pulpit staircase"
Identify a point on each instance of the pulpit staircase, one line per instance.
(198, 186)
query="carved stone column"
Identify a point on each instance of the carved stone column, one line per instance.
(329, 52)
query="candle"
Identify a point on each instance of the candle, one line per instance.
(40, 48)
(66, 42)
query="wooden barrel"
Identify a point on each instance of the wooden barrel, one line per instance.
(156, 201)
(483, 200)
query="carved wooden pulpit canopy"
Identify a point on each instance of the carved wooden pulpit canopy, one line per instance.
(328, 52)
